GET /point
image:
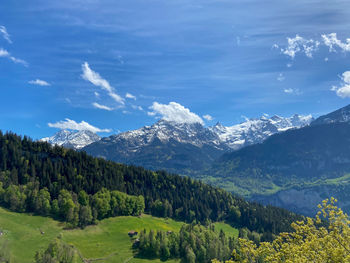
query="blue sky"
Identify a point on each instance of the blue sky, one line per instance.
(120, 65)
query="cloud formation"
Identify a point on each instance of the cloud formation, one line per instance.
(135, 107)
(5, 54)
(207, 117)
(299, 44)
(130, 96)
(4, 34)
(292, 91)
(97, 80)
(174, 112)
(39, 82)
(69, 124)
(331, 41)
(102, 107)
(344, 90)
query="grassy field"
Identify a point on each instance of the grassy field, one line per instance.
(23, 233)
(108, 241)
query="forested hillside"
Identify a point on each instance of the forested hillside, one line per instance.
(300, 167)
(71, 183)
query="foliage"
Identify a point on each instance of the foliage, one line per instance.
(28, 167)
(194, 243)
(310, 241)
(58, 252)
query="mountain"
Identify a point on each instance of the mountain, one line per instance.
(254, 131)
(175, 147)
(72, 139)
(295, 169)
(341, 115)
(187, 148)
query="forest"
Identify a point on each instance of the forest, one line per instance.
(67, 183)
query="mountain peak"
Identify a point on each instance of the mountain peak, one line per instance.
(72, 139)
(340, 115)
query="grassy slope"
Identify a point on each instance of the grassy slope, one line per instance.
(108, 239)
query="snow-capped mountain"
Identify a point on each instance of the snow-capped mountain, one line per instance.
(173, 146)
(254, 131)
(180, 147)
(164, 131)
(72, 139)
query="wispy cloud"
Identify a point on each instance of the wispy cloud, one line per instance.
(174, 112)
(97, 80)
(102, 107)
(130, 96)
(5, 54)
(299, 44)
(136, 107)
(343, 90)
(73, 125)
(292, 91)
(39, 82)
(5, 35)
(207, 117)
(281, 77)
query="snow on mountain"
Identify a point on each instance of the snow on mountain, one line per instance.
(220, 137)
(193, 133)
(72, 139)
(254, 131)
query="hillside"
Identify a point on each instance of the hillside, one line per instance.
(80, 189)
(298, 168)
(108, 240)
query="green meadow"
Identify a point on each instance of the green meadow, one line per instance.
(106, 242)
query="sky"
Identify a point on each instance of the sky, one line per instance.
(112, 66)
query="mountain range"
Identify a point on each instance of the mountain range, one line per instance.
(291, 162)
(183, 148)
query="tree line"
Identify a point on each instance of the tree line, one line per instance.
(76, 209)
(25, 163)
(193, 244)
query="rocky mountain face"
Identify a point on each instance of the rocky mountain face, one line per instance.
(187, 148)
(341, 115)
(72, 139)
(257, 130)
(176, 147)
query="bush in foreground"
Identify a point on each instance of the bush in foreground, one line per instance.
(310, 241)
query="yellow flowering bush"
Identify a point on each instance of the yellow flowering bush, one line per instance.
(311, 241)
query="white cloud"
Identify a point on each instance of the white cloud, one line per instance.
(288, 90)
(299, 44)
(280, 77)
(39, 82)
(97, 94)
(135, 107)
(73, 125)
(97, 80)
(130, 96)
(5, 35)
(207, 117)
(102, 107)
(292, 91)
(174, 112)
(5, 54)
(331, 41)
(344, 90)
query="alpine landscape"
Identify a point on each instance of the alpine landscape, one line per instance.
(196, 131)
